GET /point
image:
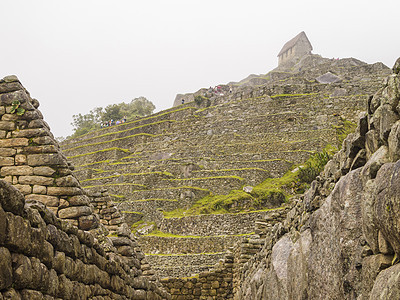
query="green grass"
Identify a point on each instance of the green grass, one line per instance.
(275, 190)
(343, 130)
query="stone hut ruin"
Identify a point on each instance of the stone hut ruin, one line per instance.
(296, 47)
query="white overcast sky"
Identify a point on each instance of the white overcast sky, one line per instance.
(76, 55)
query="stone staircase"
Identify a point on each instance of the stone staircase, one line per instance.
(175, 157)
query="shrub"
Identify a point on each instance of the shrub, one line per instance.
(314, 165)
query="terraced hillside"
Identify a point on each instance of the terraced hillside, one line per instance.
(171, 160)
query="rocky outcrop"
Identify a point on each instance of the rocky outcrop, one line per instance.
(341, 239)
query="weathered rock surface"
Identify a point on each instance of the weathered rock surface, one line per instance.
(346, 244)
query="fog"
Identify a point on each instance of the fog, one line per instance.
(76, 55)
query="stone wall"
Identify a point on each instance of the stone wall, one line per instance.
(47, 253)
(201, 244)
(218, 224)
(45, 257)
(216, 284)
(32, 161)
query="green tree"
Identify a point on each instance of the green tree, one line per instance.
(112, 112)
(138, 107)
(84, 123)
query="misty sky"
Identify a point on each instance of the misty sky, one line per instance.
(75, 55)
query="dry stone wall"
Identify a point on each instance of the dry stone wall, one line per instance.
(43, 257)
(31, 159)
(45, 251)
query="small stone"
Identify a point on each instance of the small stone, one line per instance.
(20, 159)
(39, 189)
(43, 171)
(23, 188)
(396, 67)
(10, 78)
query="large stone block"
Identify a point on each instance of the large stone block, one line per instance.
(14, 142)
(16, 170)
(387, 204)
(43, 171)
(387, 284)
(46, 159)
(31, 295)
(6, 161)
(13, 91)
(46, 200)
(3, 226)
(67, 181)
(23, 188)
(41, 149)
(63, 191)
(74, 212)
(7, 152)
(11, 199)
(30, 133)
(39, 180)
(6, 125)
(6, 274)
(22, 271)
(18, 233)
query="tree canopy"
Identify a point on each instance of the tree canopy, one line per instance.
(138, 107)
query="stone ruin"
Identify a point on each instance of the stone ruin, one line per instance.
(297, 47)
(173, 158)
(61, 238)
(52, 243)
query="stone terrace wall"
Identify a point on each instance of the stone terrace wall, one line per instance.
(43, 257)
(32, 161)
(218, 224)
(216, 284)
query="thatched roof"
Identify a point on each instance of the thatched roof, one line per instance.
(293, 42)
